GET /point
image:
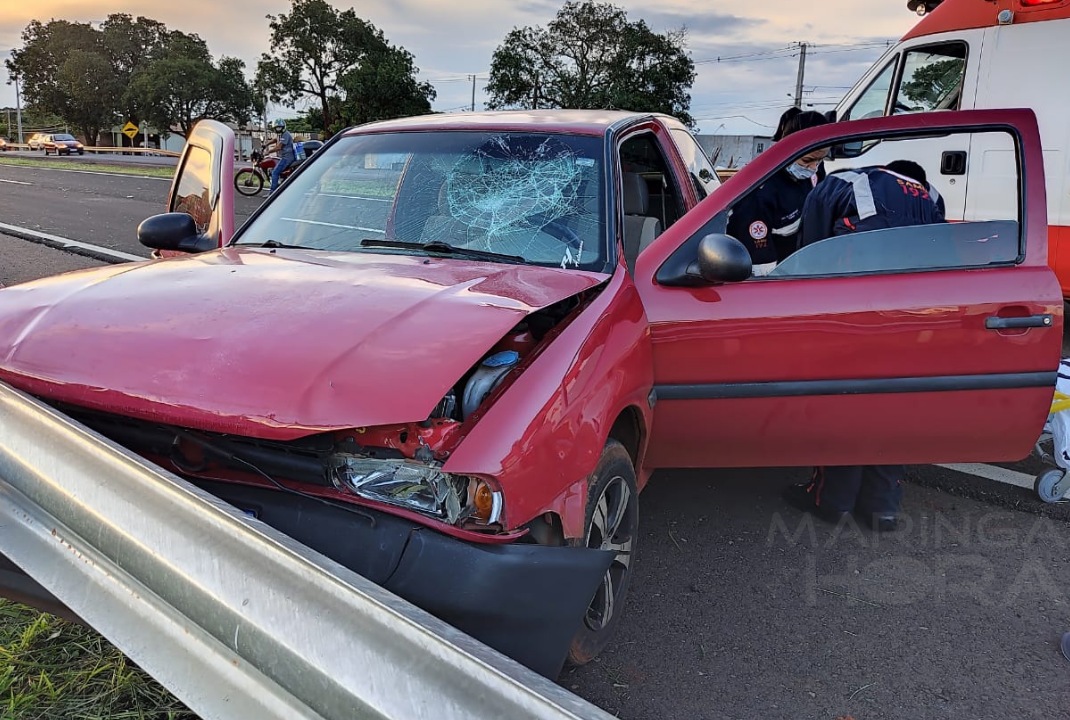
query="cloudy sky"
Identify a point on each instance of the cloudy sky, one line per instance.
(744, 50)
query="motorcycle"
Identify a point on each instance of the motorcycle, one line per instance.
(251, 180)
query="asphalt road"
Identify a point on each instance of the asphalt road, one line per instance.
(742, 608)
(93, 207)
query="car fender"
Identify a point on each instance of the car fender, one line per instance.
(542, 437)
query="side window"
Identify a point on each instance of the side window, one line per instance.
(881, 219)
(641, 156)
(871, 103)
(703, 176)
(194, 183)
(932, 79)
(650, 198)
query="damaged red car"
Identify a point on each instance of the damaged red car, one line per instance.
(451, 351)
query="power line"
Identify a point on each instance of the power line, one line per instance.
(793, 50)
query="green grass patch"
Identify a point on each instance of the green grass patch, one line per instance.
(360, 188)
(142, 170)
(52, 669)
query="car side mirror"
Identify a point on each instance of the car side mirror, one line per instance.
(721, 259)
(847, 150)
(173, 231)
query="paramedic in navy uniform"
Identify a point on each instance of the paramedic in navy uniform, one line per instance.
(766, 221)
(872, 198)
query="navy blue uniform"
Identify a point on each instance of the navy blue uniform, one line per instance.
(867, 199)
(845, 202)
(767, 220)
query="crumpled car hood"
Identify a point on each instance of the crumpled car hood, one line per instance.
(273, 344)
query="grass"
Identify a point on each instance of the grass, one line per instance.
(51, 669)
(359, 188)
(143, 170)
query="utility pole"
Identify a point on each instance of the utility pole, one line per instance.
(473, 92)
(18, 108)
(802, 74)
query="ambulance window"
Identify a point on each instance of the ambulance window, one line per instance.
(871, 103)
(932, 79)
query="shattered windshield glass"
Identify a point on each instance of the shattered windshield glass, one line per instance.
(535, 196)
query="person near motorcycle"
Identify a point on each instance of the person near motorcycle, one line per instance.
(284, 147)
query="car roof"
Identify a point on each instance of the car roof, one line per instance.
(576, 122)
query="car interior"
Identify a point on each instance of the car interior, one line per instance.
(651, 200)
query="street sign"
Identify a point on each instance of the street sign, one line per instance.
(130, 130)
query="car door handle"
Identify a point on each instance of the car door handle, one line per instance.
(1009, 323)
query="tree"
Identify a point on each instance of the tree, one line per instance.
(932, 85)
(88, 92)
(64, 70)
(183, 86)
(312, 48)
(384, 87)
(131, 45)
(591, 56)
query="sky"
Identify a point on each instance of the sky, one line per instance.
(745, 51)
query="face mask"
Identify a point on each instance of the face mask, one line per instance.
(799, 172)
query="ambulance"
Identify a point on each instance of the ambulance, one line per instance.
(973, 54)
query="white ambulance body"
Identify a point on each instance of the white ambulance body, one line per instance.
(975, 54)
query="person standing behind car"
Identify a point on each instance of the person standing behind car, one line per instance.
(767, 220)
(284, 147)
(847, 202)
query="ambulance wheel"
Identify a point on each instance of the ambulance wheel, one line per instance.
(1047, 488)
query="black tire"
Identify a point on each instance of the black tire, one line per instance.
(248, 181)
(612, 523)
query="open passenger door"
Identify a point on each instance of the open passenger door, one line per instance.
(202, 188)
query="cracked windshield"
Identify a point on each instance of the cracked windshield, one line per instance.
(530, 196)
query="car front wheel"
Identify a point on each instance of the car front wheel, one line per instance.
(612, 524)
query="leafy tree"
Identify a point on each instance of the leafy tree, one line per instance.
(131, 45)
(183, 86)
(52, 80)
(591, 56)
(342, 61)
(312, 48)
(87, 93)
(384, 87)
(931, 85)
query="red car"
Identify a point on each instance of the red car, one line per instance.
(62, 144)
(451, 350)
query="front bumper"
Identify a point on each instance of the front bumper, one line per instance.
(524, 600)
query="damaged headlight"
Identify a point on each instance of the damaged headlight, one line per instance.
(418, 486)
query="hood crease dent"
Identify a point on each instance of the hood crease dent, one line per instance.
(273, 344)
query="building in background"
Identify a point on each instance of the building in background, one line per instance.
(733, 151)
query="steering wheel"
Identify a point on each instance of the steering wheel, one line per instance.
(558, 231)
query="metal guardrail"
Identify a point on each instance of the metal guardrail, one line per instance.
(98, 149)
(235, 618)
(134, 150)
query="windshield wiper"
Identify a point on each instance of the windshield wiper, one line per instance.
(277, 244)
(445, 248)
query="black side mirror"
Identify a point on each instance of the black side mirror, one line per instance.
(173, 231)
(847, 150)
(721, 259)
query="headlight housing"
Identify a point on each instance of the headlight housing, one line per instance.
(418, 486)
